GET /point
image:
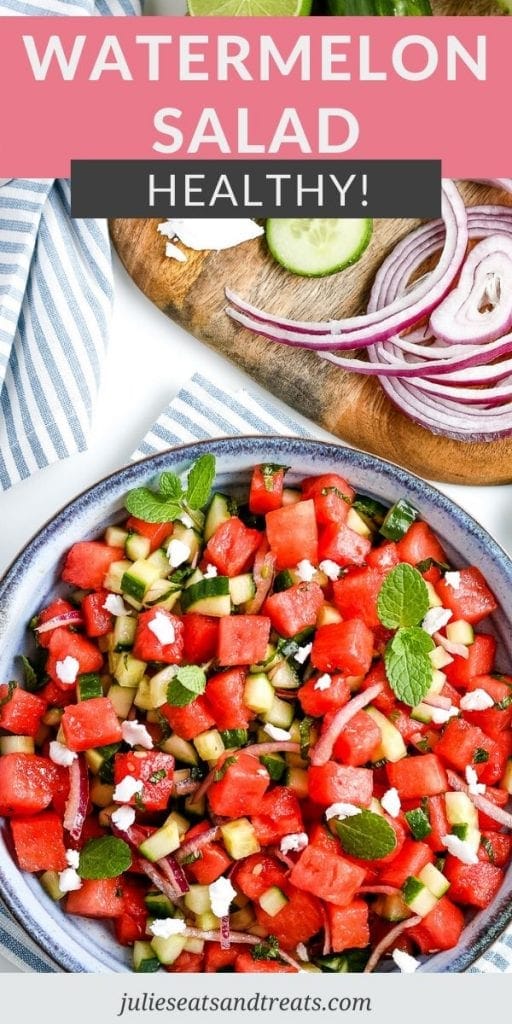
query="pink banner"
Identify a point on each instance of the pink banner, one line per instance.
(260, 88)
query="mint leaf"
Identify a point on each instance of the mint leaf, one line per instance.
(266, 950)
(408, 667)
(403, 597)
(366, 835)
(192, 678)
(178, 695)
(146, 505)
(106, 857)
(200, 481)
(170, 486)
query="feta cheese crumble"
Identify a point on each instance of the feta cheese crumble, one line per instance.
(69, 880)
(342, 810)
(452, 579)
(72, 858)
(210, 572)
(303, 653)
(460, 849)
(435, 619)
(61, 754)
(406, 963)
(477, 700)
(67, 670)
(124, 818)
(275, 733)
(127, 788)
(177, 552)
(475, 787)
(164, 927)
(442, 715)
(323, 682)
(294, 842)
(163, 629)
(114, 604)
(390, 802)
(330, 568)
(136, 734)
(305, 570)
(222, 894)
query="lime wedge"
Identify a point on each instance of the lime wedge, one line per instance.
(253, 8)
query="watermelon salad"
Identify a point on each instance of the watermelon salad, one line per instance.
(263, 734)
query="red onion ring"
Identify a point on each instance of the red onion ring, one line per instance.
(460, 650)
(481, 802)
(263, 573)
(65, 619)
(322, 751)
(485, 279)
(174, 872)
(389, 940)
(196, 844)
(78, 799)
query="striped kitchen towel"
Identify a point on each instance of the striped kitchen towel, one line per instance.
(201, 410)
(55, 299)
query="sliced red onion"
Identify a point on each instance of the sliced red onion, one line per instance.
(327, 947)
(438, 701)
(485, 281)
(78, 799)
(183, 787)
(263, 573)
(196, 844)
(460, 650)
(274, 747)
(481, 802)
(174, 872)
(322, 750)
(388, 941)
(379, 890)
(225, 934)
(159, 880)
(72, 618)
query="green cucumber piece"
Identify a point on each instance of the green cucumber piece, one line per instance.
(137, 547)
(398, 520)
(89, 686)
(234, 738)
(158, 905)
(242, 588)
(208, 596)
(275, 766)
(220, 511)
(144, 959)
(316, 247)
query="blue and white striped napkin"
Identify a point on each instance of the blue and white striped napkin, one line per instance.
(202, 410)
(55, 299)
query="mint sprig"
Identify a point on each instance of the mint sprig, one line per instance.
(367, 836)
(106, 857)
(173, 499)
(188, 683)
(403, 597)
(408, 667)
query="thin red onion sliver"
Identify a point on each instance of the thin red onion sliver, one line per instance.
(78, 799)
(225, 934)
(459, 650)
(379, 890)
(174, 872)
(322, 750)
(158, 880)
(264, 569)
(196, 844)
(327, 947)
(481, 802)
(438, 701)
(65, 619)
(388, 941)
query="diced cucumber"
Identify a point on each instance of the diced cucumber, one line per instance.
(440, 658)
(197, 899)
(209, 745)
(275, 766)
(195, 577)
(194, 946)
(284, 676)
(284, 580)
(391, 747)
(124, 632)
(219, 512)
(115, 575)
(137, 547)
(195, 807)
(438, 682)
(209, 596)
(258, 693)
(422, 713)
(145, 960)
(460, 810)
(115, 536)
(358, 524)
(239, 838)
(137, 580)
(418, 822)
(316, 247)
(162, 593)
(207, 922)
(17, 745)
(391, 907)
(162, 842)
(280, 714)
(168, 950)
(460, 632)
(159, 560)
(159, 905)
(143, 696)
(182, 824)
(234, 737)
(242, 588)
(469, 835)
(297, 779)
(372, 511)
(272, 901)
(122, 698)
(418, 898)
(190, 537)
(50, 883)
(398, 520)
(180, 749)
(89, 686)
(327, 615)
(434, 880)
(434, 601)
(129, 670)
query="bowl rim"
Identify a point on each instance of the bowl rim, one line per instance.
(488, 932)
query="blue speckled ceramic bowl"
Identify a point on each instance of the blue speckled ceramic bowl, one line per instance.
(80, 945)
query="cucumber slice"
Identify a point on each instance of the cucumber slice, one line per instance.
(242, 588)
(219, 511)
(398, 520)
(275, 766)
(137, 547)
(89, 686)
(159, 905)
(208, 596)
(315, 247)
(234, 737)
